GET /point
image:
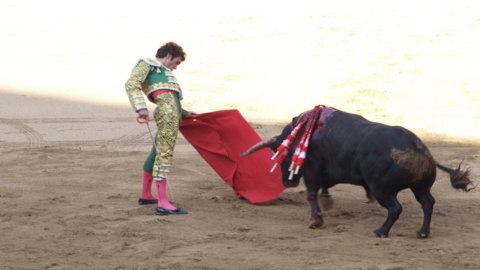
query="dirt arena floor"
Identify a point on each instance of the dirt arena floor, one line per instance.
(71, 153)
(69, 190)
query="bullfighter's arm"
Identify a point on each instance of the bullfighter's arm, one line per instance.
(133, 86)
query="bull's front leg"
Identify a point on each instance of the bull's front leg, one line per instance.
(326, 201)
(316, 219)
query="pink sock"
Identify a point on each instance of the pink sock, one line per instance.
(147, 187)
(162, 195)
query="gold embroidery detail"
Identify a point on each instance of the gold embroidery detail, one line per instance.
(134, 85)
(167, 118)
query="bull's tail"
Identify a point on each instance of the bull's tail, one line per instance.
(460, 179)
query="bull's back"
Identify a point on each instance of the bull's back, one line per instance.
(354, 150)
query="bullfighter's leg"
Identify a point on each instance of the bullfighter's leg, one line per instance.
(390, 202)
(427, 201)
(316, 219)
(326, 201)
(167, 117)
(146, 196)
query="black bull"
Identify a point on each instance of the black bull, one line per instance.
(383, 159)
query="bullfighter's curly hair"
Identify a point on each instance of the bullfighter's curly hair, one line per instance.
(171, 48)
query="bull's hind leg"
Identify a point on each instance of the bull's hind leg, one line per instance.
(390, 202)
(425, 198)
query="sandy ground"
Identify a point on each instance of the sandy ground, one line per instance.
(71, 153)
(400, 62)
(68, 201)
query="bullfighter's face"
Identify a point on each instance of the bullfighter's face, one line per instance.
(171, 62)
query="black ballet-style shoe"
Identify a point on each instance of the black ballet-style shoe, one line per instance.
(146, 201)
(163, 212)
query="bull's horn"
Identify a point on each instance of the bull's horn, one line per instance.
(258, 146)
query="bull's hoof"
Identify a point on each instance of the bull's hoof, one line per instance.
(421, 234)
(380, 233)
(316, 223)
(326, 202)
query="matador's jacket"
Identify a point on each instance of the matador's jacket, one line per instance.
(150, 78)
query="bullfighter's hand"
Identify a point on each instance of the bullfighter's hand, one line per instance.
(142, 116)
(189, 114)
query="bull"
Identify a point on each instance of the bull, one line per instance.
(383, 159)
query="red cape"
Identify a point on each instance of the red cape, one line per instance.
(220, 137)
